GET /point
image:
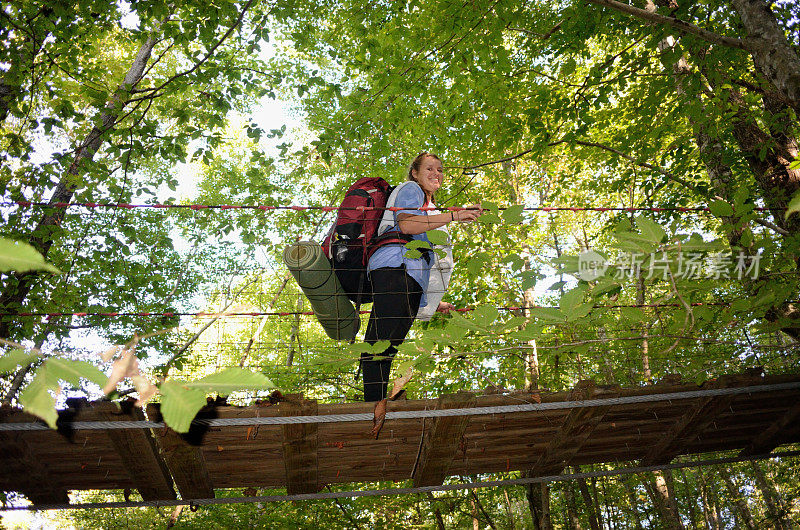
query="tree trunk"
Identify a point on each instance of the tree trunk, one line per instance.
(509, 510)
(769, 162)
(596, 501)
(640, 296)
(538, 495)
(18, 286)
(672, 496)
(775, 509)
(772, 54)
(476, 525)
(708, 509)
(656, 487)
(740, 507)
(436, 512)
(771, 170)
(634, 503)
(547, 523)
(691, 497)
(591, 512)
(573, 521)
(479, 506)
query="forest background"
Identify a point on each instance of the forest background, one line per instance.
(674, 123)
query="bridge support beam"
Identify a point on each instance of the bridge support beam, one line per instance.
(693, 422)
(775, 434)
(137, 450)
(300, 446)
(576, 429)
(440, 440)
(185, 461)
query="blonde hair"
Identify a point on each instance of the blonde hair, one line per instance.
(417, 163)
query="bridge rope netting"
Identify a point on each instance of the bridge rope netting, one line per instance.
(259, 320)
(262, 300)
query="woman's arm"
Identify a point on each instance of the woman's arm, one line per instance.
(417, 224)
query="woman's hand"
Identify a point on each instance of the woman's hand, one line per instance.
(445, 307)
(467, 216)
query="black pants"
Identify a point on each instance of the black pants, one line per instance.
(395, 301)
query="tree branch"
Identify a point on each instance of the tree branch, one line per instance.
(679, 25)
(778, 229)
(345, 512)
(208, 54)
(668, 174)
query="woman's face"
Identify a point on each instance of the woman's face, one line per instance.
(430, 175)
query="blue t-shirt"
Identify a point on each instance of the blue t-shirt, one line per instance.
(393, 255)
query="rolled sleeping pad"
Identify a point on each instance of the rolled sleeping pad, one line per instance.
(314, 275)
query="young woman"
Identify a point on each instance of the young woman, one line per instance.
(399, 283)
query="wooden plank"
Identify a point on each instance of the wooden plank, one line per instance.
(138, 451)
(184, 461)
(694, 421)
(771, 437)
(31, 476)
(300, 446)
(440, 440)
(576, 429)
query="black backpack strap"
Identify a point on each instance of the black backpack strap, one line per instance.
(362, 280)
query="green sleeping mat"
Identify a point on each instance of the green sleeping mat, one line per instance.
(314, 275)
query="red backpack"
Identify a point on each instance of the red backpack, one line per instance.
(352, 238)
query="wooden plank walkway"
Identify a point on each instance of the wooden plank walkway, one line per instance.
(45, 465)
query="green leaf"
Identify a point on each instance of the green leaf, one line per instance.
(179, 404)
(635, 243)
(742, 304)
(36, 399)
(512, 323)
(579, 311)
(529, 279)
(403, 367)
(572, 304)
(568, 67)
(605, 285)
(71, 371)
(695, 243)
(458, 320)
(378, 348)
(16, 357)
(793, 206)
(567, 264)
(531, 332)
(721, 209)
(632, 313)
(21, 257)
(486, 314)
(474, 266)
(489, 218)
(547, 313)
(571, 299)
(437, 237)
(233, 379)
(651, 230)
(513, 214)
(415, 244)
